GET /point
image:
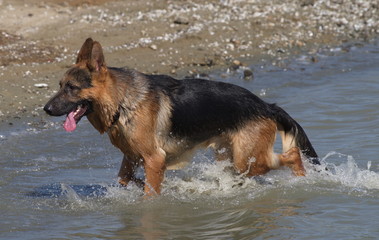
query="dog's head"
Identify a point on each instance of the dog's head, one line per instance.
(73, 98)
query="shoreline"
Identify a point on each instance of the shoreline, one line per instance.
(40, 42)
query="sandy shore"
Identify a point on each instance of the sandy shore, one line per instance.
(39, 40)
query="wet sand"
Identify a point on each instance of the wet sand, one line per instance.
(40, 40)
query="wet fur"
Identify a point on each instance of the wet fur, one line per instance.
(159, 122)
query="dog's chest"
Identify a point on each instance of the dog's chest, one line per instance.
(120, 138)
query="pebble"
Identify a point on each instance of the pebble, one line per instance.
(236, 64)
(305, 3)
(248, 74)
(41, 85)
(181, 21)
(153, 47)
(314, 59)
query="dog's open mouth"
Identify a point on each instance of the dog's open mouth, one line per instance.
(74, 117)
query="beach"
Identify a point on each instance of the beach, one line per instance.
(39, 41)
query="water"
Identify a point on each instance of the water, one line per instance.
(58, 185)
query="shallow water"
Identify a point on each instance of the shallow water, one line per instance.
(58, 185)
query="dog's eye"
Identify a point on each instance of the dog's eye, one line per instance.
(72, 87)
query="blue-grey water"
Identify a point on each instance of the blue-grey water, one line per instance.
(58, 185)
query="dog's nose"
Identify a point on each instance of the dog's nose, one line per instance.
(48, 109)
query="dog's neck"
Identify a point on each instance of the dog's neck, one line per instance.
(120, 97)
(116, 117)
(103, 119)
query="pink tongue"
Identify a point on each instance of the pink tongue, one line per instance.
(70, 123)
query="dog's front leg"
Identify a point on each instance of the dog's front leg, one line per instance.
(155, 167)
(127, 172)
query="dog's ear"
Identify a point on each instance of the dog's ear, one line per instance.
(85, 52)
(91, 54)
(97, 57)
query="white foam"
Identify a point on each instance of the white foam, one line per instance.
(349, 174)
(211, 181)
(204, 179)
(218, 180)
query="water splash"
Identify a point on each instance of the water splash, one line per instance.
(349, 174)
(211, 181)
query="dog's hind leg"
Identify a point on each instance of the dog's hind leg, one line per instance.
(292, 159)
(127, 172)
(252, 147)
(253, 152)
(222, 149)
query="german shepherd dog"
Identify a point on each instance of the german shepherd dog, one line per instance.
(158, 121)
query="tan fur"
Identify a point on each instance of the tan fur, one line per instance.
(292, 159)
(288, 141)
(103, 96)
(252, 147)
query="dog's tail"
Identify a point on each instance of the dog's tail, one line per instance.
(293, 135)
